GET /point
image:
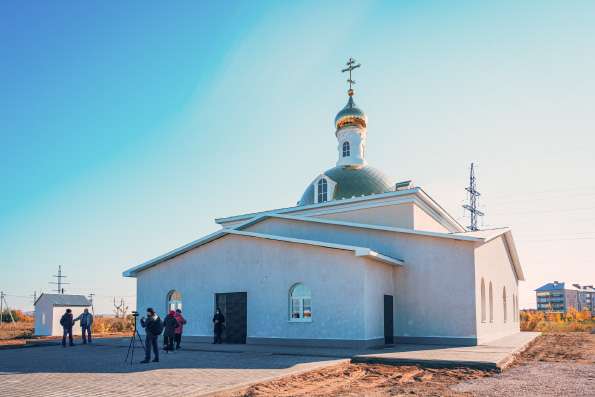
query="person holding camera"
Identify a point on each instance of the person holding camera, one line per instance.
(153, 328)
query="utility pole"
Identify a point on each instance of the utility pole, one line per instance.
(472, 206)
(59, 283)
(3, 304)
(91, 295)
(34, 297)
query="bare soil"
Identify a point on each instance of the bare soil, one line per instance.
(383, 380)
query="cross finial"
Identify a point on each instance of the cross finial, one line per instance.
(351, 64)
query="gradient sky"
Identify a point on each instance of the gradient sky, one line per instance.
(125, 129)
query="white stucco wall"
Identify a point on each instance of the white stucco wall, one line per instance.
(58, 311)
(400, 215)
(423, 221)
(493, 264)
(434, 290)
(43, 318)
(266, 270)
(379, 282)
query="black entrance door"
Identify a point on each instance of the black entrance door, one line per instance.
(388, 320)
(234, 307)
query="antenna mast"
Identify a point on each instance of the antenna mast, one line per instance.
(472, 206)
(59, 283)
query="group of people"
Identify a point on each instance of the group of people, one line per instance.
(67, 322)
(171, 327)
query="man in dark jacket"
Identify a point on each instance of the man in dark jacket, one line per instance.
(86, 320)
(169, 330)
(218, 324)
(67, 322)
(153, 328)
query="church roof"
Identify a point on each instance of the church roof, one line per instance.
(364, 201)
(357, 251)
(350, 114)
(351, 182)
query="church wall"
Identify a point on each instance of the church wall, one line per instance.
(400, 215)
(423, 221)
(434, 289)
(379, 281)
(266, 270)
(494, 264)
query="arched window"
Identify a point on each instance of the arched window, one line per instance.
(491, 298)
(483, 301)
(300, 303)
(346, 149)
(174, 300)
(514, 316)
(322, 190)
(504, 302)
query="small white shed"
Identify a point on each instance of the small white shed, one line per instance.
(49, 308)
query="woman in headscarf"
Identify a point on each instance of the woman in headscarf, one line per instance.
(218, 324)
(180, 329)
(169, 330)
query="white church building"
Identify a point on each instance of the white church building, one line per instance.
(359, 261)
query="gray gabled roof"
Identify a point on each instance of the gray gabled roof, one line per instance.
(65, 300)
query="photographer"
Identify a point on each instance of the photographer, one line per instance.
(153, 328)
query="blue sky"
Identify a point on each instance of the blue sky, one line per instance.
(126, 129)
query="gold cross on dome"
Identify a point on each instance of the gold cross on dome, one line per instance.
(351, 64)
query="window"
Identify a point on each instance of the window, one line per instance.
(322, 190)
(300, 303)
(491, 297)
(346, 149)
(43, 318)
(174, 300)
(483, 301)
(504, 302)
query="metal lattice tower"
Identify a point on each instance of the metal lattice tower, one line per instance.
(59, 283)
(472, 206)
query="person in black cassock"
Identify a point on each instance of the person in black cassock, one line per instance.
(218, 323)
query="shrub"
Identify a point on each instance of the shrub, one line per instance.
(104, 325)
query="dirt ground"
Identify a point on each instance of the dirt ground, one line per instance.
(381, 380)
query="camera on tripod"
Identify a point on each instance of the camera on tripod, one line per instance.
(134, 313)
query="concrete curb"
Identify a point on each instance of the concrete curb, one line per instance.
(507, 362)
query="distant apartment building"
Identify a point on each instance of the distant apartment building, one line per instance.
(560, 296)
(586, 298)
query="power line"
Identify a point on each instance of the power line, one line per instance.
(472, 207)
(59, 283)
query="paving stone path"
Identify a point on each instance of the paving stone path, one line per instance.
(99, 370)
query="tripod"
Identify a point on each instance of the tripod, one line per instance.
(133, 340)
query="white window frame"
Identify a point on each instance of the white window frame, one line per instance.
(346, 149)
(300, 299)
(330, 188)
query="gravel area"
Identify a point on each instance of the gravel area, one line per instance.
(557, 364)
(536, 379)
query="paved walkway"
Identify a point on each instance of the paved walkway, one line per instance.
(99, 370)
(200, 369)
(493, 355)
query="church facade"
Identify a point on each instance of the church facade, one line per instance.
(359, 261)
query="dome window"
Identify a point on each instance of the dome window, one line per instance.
(346, 149)
(322, 190)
